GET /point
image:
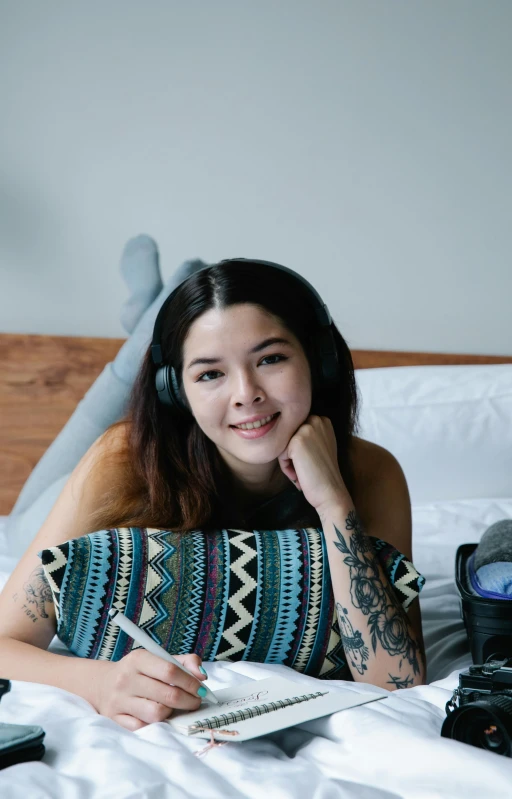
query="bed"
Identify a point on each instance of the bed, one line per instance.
(448, 419)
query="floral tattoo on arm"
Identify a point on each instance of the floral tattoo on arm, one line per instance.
(387, 619)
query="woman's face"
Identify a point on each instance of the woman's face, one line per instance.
(247, 377)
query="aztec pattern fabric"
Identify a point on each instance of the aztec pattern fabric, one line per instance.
(264, 595)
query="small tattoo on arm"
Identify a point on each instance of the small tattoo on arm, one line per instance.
(400, 682)
(353, 644)
(38, 592)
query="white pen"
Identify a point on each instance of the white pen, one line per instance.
(147, 642)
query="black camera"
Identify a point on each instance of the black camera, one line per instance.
(480, 710)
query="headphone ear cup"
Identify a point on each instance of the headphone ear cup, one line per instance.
(327, 356)
(162, 385)
(174, 391)
(168, 390)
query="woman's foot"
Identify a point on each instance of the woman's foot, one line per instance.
(140, 267)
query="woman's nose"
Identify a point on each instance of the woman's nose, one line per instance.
(246, 388)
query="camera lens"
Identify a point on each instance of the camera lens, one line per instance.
(491, 738)
(486, 723)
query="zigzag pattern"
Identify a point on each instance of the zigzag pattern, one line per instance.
(153, 580)
(270, 570)
(160, 556)
(235, 594)
(124, 547)
(289, 602)
(407, 582)
(334, 664)
(220, 604)
(215, 578)
(68, 547)
(257, 604)
(92, 604)
(147, 612)
(55, 565)
(235, 601)
(197, 592)
(315, 599)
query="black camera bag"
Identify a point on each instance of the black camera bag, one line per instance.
(488, 622)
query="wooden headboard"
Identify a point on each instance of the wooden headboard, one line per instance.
(42, 378)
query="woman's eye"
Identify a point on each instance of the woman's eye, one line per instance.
(201, 377)
(281, 358)
(211, 372)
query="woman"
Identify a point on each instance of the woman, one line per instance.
(258, 438)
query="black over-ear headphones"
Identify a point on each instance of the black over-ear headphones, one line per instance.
(323, 342)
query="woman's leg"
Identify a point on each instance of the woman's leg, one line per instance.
(106, 400)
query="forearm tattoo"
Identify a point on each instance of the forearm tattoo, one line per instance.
(38, 592)
(387, 619)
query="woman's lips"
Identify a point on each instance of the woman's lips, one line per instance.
(257, 432)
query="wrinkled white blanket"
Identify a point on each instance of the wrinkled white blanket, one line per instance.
(384, 750)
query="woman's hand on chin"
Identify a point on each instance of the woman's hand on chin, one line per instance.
(310, 462)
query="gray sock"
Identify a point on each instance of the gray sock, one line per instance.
(140, 267)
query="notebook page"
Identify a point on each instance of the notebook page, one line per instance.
(259, 692)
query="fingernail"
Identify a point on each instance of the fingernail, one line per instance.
(201, 691)
(203, 671)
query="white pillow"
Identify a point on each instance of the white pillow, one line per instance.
(439, 529)
(450, 427)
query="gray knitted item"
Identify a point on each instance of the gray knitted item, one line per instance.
(495, 545)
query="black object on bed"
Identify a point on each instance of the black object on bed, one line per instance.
(488, 621)
(19, 742)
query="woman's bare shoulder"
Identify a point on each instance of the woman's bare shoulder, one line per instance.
(105, 464)
(115, 438)
(107, 461)
(110, 450)
(368, 458)
(372, 464)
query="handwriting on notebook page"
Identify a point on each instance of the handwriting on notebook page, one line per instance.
(256, 696)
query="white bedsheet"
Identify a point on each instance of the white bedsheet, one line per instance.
(385, 750)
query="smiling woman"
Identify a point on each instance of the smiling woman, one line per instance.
(187, 464)
(239, 438)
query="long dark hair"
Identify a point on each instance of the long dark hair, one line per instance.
(177, 477)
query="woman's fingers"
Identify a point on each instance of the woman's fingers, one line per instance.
(170, 696)
(153, 666)
(145, 710)
(129, 722)
(192, 663)
(288, 469)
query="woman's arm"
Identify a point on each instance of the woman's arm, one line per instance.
(383, 643)
(140, 688)
(27, 613)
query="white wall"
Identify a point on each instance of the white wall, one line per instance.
(365, 143)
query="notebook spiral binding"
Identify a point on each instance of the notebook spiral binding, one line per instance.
(214, 722)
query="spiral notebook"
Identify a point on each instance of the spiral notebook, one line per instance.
(259, 707)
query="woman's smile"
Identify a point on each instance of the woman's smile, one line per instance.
(257, 432)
